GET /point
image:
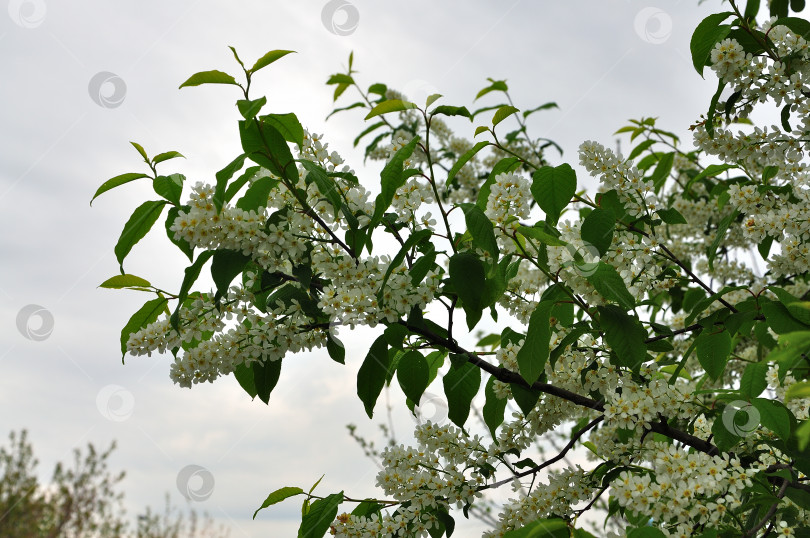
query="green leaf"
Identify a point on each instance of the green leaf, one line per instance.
(722, 227)
(525, 398)
(372, 374)
(779, 318)
(266, 146)
(190, 276)
(166, 156)
(541, 528)
(225, 265)
(797, 391)
(713, 170)
(790, 349)
(706, 35)
(533, 355)
(391, 179)
(225, 175)
(335, 349)
(774, 416)
(452, 111)
(736, 418)
(432, 98)
(265, 377)
(481, 229)
(169, 187)
(258, 194)
(278, 496)
(288, 125)
(413, 375)
(125, 281)
(713, 350)
(249, 109)
(391, 105)
(537, 233)
(625, 335)
(145, 315)
(320, 516)
(753, 380)
(497, 85)
(494, 408)
(140, 150)
(209, 77)
(800, 310)
(184, 246)
(367, 130)
(597, 229)
(662, 170)
(502, 113)
(721, 84)
(469, 154)
(468, 279)
(340, 78)
(544, 106)
(326, 185)
(610, 285)
(269, 58)
(244, 375)
(116, 181)
(803, 435)
(461, 384)
(640, 148)
(671, 216)
(553, 189)
(785, 117)
(137, 227)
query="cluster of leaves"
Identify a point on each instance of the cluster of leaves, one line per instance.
(478, 272)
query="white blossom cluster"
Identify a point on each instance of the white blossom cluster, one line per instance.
(634, 190)
(683, 489)
(349, 298)
(439, 473)
(777, 208)
(564, 490)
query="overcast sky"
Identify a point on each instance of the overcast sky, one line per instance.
(66, 129)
